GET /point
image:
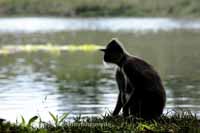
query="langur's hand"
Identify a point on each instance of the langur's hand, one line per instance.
(125, 110)
(114, 114)
(125, 106)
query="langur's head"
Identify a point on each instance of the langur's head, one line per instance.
(114, 52)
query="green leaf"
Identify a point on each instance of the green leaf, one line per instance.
(23, 123)
(55, 118)
(148, 127)
(62, 118)
(33, 119)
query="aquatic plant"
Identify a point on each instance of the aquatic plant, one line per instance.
(11, 49)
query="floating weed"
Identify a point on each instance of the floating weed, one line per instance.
(54, 49)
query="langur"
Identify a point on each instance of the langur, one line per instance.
(141, 92)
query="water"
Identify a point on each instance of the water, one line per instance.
(78, 82)
(42, 24)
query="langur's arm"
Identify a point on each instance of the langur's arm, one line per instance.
(131, 86)
(129, 101)
(118, 106)
(121, 84)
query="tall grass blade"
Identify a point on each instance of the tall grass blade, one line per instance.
(33, 119)
(55, 119)
(63, 117)
(23, 123)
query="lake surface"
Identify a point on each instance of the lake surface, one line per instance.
(42, 24)
(79, 82)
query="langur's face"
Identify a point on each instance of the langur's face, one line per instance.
(113, 52)
(111, 56)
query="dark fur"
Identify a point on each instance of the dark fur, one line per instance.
(138, 79)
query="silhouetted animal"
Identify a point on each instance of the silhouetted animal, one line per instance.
(141, 92)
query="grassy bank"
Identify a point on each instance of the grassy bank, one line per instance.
(184, 123)
(74, 8)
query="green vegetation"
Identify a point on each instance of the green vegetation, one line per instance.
(179, 122)
(90, 8)
(12, 49)
(58, 121)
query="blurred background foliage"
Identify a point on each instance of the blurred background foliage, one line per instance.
(89, 8)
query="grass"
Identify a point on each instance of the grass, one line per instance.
(179, 122)
(91, 8)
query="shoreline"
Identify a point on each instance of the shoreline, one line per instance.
(179, 122)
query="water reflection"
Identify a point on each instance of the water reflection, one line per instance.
(22, 94)
(36, 87)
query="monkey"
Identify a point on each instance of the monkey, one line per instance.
(141, 92)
